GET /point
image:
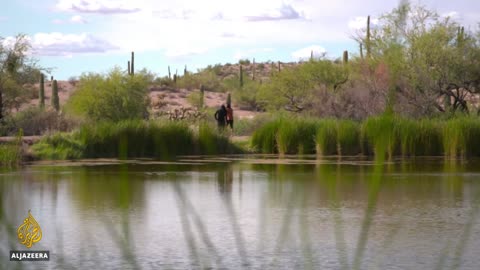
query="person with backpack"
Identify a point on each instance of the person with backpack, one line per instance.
(221, 116)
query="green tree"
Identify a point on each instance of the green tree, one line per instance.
(249, 96)
(16, 69)
(432, 63)
(325, 73)
(290, 90)
(112, 97)
(294, 89)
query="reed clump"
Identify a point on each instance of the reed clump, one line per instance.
(264, 138)
(326, 137)
(461, 137)
(348, 138)
(134, 139)
(387, 134)
(11, 152)
(286, 135)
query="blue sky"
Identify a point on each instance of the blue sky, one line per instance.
(75, 36)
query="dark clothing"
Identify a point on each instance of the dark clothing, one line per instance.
(220, 116)
(230, 117)
(230, 123)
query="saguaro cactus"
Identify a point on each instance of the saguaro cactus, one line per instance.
(185, 72)
(129, 71)
(55, 100)
(132, 64)
(241, 76)
(279, 67)
(345, 57)
(229, 99)
(460, 36)
(253, 72)
(169, 74)
(42, 91)
(202, 95)
(367, 41)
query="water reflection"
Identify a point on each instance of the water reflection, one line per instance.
(242, 214)
(225, 179)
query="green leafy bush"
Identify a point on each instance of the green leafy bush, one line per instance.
(37, 121)
(113, 97)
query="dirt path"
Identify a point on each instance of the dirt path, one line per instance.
(25, 139)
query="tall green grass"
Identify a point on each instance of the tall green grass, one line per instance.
(461, 137)
(11, 152)
(295, 136)
(61, 146)
(326, 137)
(457, 137)
(135, 139)
(210, 141)
(291, 135)
(348, 138)
(380, 134)
(264, 139)
(286, 135)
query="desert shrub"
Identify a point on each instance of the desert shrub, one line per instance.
(195, 98)
(36, 121)
(247, 97)
(207, 78)
(244, 62)
(247, 126)
(60, 146)
(73, 80)
(113, 97)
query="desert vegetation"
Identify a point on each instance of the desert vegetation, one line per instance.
(453, 138)
(135, 139)
(414, 64)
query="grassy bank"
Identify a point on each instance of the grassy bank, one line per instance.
(452, 138)
(135, 139)
(11, 152)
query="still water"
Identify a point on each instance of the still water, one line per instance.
(246, 213)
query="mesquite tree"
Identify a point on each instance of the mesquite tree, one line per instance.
(17, 68)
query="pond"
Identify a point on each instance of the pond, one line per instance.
(246, 212)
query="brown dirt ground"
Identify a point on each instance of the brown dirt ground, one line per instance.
(171, 98)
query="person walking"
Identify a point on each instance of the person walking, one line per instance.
(229, 116)
(220, 116)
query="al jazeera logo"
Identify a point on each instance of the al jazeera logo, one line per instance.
(29, 233)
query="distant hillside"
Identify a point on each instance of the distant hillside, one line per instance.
(262, 70)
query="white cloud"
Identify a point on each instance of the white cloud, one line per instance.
(305, 53)
(360, 22)
(246, 54)
(183, 28)
(57, 21)
(228, 35)
(58, 44)
(98, 6)
(285, 12)
(184, 52)
(451, 14)
(78, 19)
